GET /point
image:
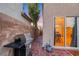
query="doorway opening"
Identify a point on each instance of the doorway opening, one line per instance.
(65, 31)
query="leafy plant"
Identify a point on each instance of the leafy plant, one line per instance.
(34, 13)
(33, 17)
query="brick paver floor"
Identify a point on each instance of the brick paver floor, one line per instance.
(38, 51)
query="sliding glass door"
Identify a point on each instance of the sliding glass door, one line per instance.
(71, 32)
(59, 31)
(65, 31)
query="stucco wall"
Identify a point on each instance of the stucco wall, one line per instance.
(14, 10)
(51, 10)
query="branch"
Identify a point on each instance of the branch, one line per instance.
(26, 17)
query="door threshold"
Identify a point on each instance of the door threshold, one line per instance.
(66, 48)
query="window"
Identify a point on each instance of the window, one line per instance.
(65, 31)
(59, 31)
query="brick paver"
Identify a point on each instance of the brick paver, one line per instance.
(38, 51)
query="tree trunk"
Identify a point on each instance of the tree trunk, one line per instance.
(35, 32)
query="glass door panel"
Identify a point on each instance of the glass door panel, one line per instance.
(71, 34)
(59, 31)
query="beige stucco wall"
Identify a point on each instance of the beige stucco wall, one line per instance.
(54, 9)
(14, 10)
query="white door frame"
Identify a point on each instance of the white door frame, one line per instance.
(64, 47)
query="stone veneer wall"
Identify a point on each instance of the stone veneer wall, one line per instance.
(9, 28)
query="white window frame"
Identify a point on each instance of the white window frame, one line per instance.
(65, 47)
